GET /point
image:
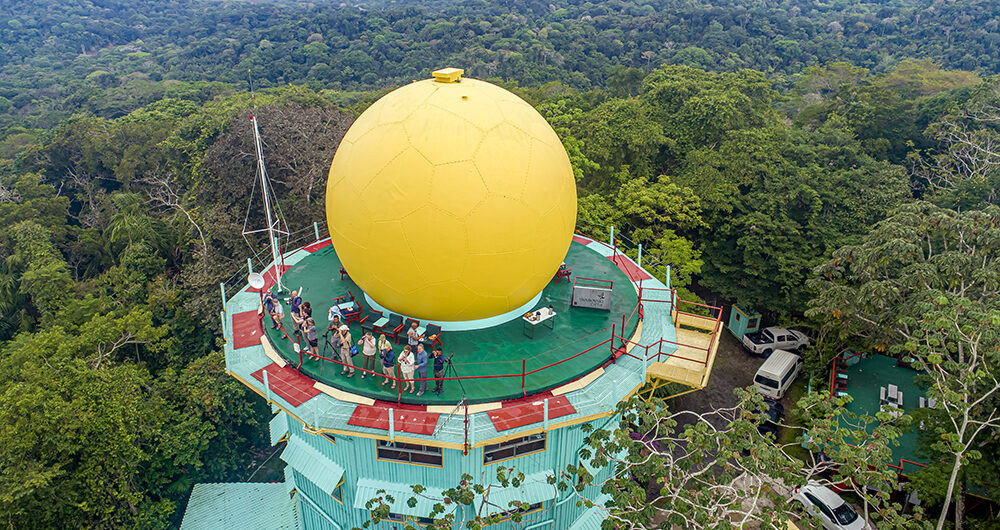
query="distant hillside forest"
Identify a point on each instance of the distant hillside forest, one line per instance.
(57, 57)
(708, 134)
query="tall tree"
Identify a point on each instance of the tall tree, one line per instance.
(924, 284)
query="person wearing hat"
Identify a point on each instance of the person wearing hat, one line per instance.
(345, 351)
(388, 360)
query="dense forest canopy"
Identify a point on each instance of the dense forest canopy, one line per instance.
(752, 147)
(58, 56)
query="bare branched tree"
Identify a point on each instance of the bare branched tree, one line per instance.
(968, 153)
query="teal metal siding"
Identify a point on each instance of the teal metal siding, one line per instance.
(361, 469)
(343, 514)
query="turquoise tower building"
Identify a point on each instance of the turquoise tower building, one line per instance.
(516, 389)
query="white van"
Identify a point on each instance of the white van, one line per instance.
(777, 373)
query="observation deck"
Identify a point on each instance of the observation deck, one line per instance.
(496, 363)
(577, 371)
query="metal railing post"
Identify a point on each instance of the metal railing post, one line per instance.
(222, 317)
(524, 369)
(611, 229)
(249, 266)
(392, 425)
(639, 261)
(668, 276)
(316, 229)
(222, 287)
(613, 358)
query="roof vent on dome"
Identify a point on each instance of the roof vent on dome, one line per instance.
(448, 75)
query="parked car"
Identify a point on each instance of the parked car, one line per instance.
(765, 341)
(775, 412)
(776, 375)
(835, 513)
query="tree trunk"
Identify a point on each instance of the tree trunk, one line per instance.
(960, 504)
(951, 489)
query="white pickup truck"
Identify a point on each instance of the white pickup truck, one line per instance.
(767, 340)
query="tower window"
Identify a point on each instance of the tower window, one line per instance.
(409, 453)
(524, 445)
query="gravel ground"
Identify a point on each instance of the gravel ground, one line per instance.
(733, 368)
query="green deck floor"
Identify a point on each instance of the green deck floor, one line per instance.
(492, 351)
(863, 384)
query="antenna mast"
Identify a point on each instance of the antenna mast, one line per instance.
(273, 225)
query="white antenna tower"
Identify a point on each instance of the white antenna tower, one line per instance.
(276, 226)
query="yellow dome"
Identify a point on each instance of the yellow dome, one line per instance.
(451, 200)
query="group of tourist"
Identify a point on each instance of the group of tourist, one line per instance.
(413, 360)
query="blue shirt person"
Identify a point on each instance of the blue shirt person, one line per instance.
(422, 368)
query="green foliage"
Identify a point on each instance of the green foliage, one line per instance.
(61, 58)
(923, 284)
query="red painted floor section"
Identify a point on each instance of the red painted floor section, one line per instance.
(286, 382)
(317, 245)
(269, 279)
(246, 330)
(527, 411)
(581, 240)
(634, 273)
(377, 417)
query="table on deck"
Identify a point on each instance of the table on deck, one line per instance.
(547, 315)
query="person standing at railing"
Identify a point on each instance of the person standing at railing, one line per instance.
(388, 360)
(306, 312)
(406, 366)
(438, 371)
(294, 302)
(368, 349)
(312, 337)
(345, 351)
(274, 309)
(422, 368)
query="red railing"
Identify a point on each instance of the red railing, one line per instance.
(614, 353)
(647, 356)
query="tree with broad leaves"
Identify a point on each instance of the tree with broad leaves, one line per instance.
(924, 284)
(683, 469)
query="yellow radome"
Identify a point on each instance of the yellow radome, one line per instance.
(451, 199)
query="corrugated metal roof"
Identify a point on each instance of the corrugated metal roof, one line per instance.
(257, 505)
(279, 428)
(308, 461)
(594, 516)
(534, 488)
(368, 489)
